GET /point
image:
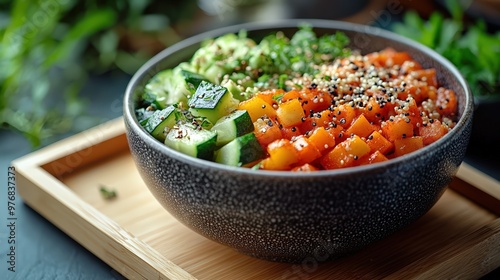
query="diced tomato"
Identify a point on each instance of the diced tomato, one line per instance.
(266, 131)
(377, 142)
(426, 75)
(314, 100)
(431, 132)
(290, 132)
(376, 156)
(360, 127)
(446, 102)
(397, 128)
(407, 145)
(307, 151)
(305, 168)
(316, 120)
(344, 115)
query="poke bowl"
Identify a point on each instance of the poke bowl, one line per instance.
(289, 216)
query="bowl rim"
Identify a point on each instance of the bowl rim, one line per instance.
(129, 106)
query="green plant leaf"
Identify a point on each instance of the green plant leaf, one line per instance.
(91, 23)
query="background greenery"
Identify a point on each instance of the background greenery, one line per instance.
(48, 48)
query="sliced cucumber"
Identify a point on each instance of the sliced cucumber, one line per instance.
(160, 120)
(211, 101)
(240, 151)
(143, 115)
(235, 90)
(236, 124)
(192, 140)
(192, 79)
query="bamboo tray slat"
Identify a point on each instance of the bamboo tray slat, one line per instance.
(458, 237)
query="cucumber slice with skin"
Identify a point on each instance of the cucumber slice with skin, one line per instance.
(193, 80)
(160, 120)
(192, 140)
(240, 151)
(212, 102)
(236, 124)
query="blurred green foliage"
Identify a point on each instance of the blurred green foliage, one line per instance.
(470, 47)
(49, 47)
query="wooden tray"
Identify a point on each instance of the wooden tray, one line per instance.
(459, 237)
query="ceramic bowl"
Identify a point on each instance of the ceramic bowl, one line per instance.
(292, 217)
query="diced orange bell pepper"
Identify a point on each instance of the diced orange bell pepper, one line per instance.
(338, 132)
(290, 113)
(345, 154)
(322, 139)
(407, 145)
(377, 142)
(283, 153)
(257, 107)
(356, 146)
(293, 94)
(376, 111)
(270, 96)
(360, 127)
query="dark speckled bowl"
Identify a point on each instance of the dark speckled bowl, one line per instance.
(294, 217)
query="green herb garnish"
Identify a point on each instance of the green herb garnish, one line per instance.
(107, 193)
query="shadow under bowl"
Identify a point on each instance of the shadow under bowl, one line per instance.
(292, 217)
